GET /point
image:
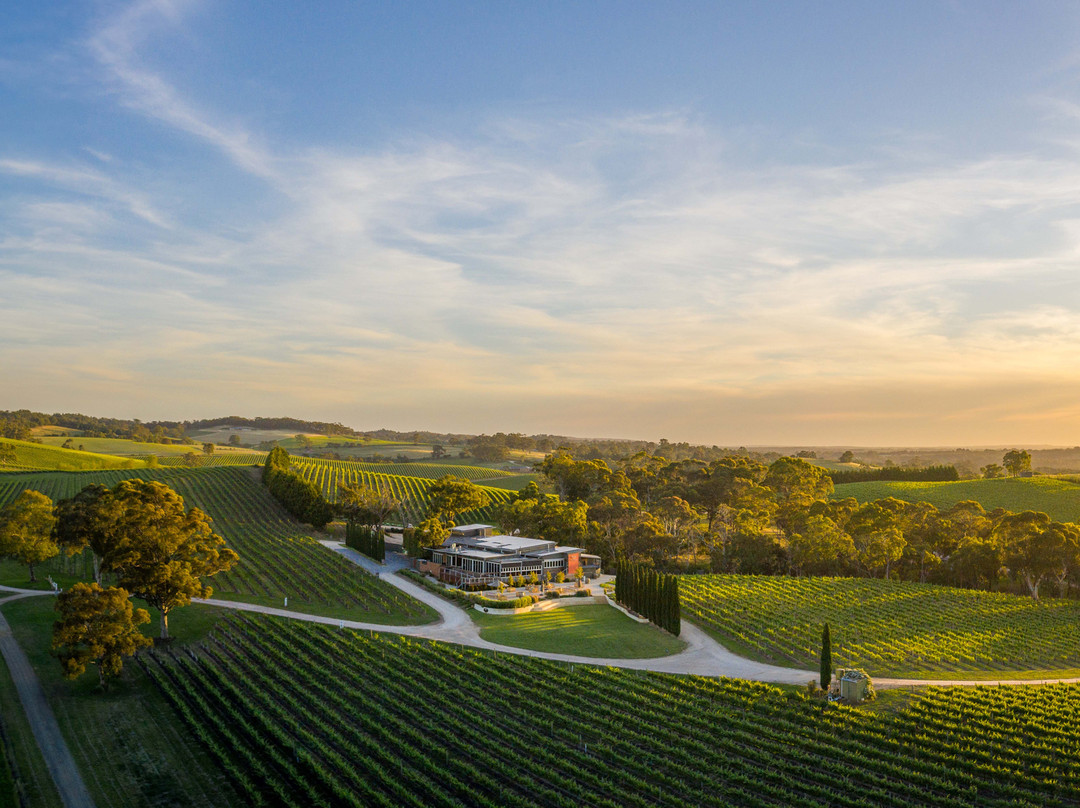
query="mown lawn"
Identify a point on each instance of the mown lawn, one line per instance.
(1060, 498)
(594, 630)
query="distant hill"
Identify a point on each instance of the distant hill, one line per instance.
(39, 456)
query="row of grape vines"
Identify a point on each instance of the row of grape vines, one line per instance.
(891, 628)
(398, 721)
(412, 491)
(277, 559)
(427, 471)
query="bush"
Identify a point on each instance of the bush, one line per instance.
(581, 593)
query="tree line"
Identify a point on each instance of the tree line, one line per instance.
(737, 514)
(943, 473)
(651, 594)
(300, 497)
(18, 425)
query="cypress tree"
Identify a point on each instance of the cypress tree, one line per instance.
(653, 578)
(676, 607)
(826, 658)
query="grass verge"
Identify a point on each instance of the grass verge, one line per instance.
(333, 610)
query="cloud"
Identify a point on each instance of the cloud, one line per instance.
(641, 274)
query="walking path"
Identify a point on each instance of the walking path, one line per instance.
(58, 759)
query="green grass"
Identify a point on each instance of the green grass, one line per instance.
(24, 771)
(1058, 497)
(890, 628)
(129, 747)
(595, 630)
(42, 456)
(121, 446)
(514, 482)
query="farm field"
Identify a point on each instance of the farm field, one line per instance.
(201, 460)
(513, 482)
(277, 558)
(42, 456)
(890, 628)
(595, 630)
(465, 727)
(1059, 497)
(427, 471)
(131, 448)
(250, 435)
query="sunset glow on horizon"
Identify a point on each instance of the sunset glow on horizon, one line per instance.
(724, 224)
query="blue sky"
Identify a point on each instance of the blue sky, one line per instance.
(731, 223)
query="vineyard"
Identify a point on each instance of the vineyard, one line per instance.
(891, 628)
(467, 728)
(276, 558)
(427, 471)
(319, 466)
(213, 461)
(1059, 497)
(411, 490)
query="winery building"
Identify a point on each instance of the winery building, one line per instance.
(473, 555)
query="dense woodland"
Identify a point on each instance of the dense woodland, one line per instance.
(737, 514)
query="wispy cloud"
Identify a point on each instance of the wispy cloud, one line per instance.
(638, 274)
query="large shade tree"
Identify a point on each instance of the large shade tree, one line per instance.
(450, 496)
(162, 551)
(96, 626)
(84, 521)
(26, 527)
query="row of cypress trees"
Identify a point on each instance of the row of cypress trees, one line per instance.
(298, 496)
(650, 594)
(367, 541)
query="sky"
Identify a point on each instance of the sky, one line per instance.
(727, 223)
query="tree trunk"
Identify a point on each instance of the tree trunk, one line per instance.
(97, 569)
(32, 578)
(164, 623)
(1033, 585)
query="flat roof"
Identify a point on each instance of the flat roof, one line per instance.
(511, 544)
(471, 527)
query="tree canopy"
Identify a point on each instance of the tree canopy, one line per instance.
(26, 527)
(159, 551)
(97, 626)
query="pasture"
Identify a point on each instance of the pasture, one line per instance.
(890, 628)
(43, 456)
(1057, 496)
